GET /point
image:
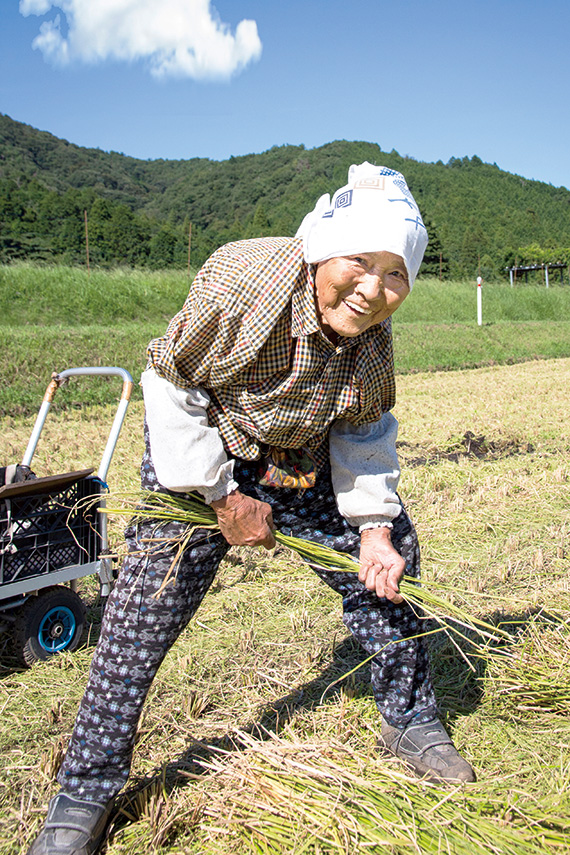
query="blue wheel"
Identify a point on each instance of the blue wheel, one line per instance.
(49, 623)
(57, 629)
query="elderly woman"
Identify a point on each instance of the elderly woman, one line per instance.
(270, 394)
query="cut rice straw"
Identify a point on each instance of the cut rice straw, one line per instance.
(308, 798)
(534, 675)
(192, 511)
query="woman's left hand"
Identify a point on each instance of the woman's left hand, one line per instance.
(381, 567)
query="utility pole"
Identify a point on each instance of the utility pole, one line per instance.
(87, 242)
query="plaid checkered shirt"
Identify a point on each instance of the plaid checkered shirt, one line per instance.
(249, 334)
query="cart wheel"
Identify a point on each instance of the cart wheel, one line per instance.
(48, 623)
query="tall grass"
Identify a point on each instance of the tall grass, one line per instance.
(59, 296)
(55, 317)
(56, 295)
(433, 301)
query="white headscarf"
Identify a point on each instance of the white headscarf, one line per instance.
(374, 212)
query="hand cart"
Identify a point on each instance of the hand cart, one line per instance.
(51, 534)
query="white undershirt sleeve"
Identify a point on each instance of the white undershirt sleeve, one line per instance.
(365, 471)
(187, 453)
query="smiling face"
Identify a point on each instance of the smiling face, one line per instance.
(356, 292)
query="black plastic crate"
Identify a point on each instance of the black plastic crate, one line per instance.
(42, 530)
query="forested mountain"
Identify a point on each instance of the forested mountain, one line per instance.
(138, 212)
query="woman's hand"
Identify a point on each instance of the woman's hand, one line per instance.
(381, 567)
(245, 521)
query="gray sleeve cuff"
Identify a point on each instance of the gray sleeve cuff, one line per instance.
(365, 470)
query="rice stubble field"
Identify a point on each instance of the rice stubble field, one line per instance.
(245, 744)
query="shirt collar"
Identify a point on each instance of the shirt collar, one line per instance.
(304, 320)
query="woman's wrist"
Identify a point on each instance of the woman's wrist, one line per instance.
(231, 500)
(372, 526)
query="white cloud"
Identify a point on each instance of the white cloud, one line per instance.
(179, 38)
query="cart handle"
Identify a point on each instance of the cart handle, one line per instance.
(57, 380)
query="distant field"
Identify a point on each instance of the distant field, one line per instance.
(58, 317)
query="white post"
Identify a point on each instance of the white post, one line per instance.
(546, 275)
(479, 302)
(511, 276)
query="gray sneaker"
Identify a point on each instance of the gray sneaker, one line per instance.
(72, 827)
(428, 750)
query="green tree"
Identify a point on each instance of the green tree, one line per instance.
(127, 240)
(260, 224)
(472, 248)
(163, 248)
(435, 261)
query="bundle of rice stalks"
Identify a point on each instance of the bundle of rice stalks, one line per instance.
(425, 600)
(534, 674)
(279, 796)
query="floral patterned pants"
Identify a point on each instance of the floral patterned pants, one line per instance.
(138, 630)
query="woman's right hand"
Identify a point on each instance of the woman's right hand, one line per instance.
(245, 521)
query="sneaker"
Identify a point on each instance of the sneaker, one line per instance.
(428, 750)
(72, 827)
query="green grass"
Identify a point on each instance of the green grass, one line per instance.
(30, 354)
(68, 297)
(456, 302)
(443, 346)
(57, 317)
(58, 296)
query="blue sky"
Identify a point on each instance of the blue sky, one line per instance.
(183, 78)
